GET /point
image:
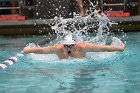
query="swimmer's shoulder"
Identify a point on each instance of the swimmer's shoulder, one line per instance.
(58, 46)
(83, 43)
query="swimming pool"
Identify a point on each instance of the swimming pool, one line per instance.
(112, 73)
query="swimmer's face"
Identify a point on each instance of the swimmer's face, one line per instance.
(69, 47)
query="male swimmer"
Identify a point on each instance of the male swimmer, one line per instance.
(70, 48)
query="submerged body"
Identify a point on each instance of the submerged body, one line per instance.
(77, 50)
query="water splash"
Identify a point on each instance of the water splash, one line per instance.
(79, 26)
(116, 41)
(32, 45)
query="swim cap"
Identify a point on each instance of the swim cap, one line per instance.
(68, 39)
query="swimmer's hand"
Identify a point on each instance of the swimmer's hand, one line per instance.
(122, 46)
(118, 43)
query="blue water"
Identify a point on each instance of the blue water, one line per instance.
(103, 73)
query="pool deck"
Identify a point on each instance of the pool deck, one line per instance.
(40, 26)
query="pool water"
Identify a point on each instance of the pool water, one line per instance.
(107, 73)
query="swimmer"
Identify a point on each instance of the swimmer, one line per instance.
(70, 48)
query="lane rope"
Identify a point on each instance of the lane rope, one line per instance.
(10, 61)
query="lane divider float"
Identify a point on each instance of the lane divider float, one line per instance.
(10, 61)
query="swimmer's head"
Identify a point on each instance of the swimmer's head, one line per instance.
(68, 39)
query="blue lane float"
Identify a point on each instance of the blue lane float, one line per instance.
(10, 61)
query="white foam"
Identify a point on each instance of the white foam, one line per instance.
(44, 57)
(100, 55)
(20, 55)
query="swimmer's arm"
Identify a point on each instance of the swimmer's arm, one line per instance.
(103, 48)
(39, 50)
(113, 48)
